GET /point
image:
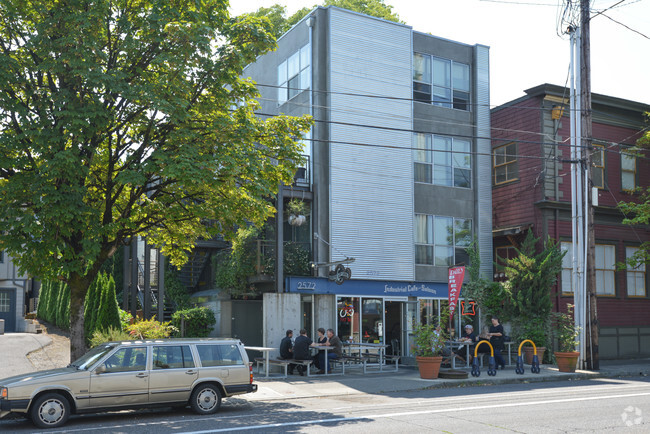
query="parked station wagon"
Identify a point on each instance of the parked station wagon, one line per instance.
(132, 374)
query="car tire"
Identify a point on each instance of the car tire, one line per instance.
(205, 399)
(50, 411)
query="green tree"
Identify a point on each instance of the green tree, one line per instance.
(638, 212)
(43, 299)
(124, 118)
(63, 307)
(91, 305)
(530, 279)
(489, 295)
(108, 314)
(281, 23)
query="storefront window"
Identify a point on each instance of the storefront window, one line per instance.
(347, 309)
(372, 320)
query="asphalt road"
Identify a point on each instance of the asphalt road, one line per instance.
(598, 405)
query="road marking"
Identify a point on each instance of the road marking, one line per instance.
(413, 413)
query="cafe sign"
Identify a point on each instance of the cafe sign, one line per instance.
(456, 276)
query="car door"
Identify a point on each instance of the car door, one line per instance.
(173, 372)
(121, 380)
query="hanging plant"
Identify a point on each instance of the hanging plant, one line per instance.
(297, 210)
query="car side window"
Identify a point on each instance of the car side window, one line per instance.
(219, 355)
(127, 359)
(172, 357)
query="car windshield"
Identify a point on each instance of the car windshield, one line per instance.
(87, 360)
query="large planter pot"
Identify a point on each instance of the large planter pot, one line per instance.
(429, 366)
(528, 354)
(566, 362)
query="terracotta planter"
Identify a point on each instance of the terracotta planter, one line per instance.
(527, 352)
(566, 362)
(429, 366)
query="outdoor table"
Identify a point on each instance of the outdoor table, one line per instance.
(266, 351)
(325, 348)
(454, 344)
(369, 345)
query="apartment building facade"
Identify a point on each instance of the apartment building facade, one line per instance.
(532, 189)
(398, 171)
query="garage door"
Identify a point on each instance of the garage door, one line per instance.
(8, 309)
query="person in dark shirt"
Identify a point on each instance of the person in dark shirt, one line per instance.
(496, 335)
(286, 350)
(320, 340)
(301, 349)
(334, 353)
(468, 336)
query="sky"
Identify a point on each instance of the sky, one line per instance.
(525, 48)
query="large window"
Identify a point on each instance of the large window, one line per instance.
(598, 166)
(628, 171)
(440, 82)
(442, 160)
(441, 241)
(567, 267)
(504, 164)
(294, 74)
(605, 269)
(635, 276)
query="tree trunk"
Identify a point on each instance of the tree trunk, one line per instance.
(78, 289)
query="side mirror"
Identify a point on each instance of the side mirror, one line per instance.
(100, 369)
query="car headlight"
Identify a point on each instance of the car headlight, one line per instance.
(3, 393)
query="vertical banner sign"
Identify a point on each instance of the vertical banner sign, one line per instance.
(456, 276)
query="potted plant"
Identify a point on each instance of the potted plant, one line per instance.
(297, 210)
(566, 333)
(427, 348)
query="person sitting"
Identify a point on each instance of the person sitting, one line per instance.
(320, 340)
(468, 336)
(286, 350)
(334, 353)
(301, 349)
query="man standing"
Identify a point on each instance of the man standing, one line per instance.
(286, 350)
(301, 349)
(334, 353)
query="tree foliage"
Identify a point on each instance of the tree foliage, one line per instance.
(122, 118)
(531, 277)
(281, 23)
(638, 212)
(489, 295)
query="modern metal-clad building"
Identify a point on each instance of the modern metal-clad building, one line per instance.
(398, 170)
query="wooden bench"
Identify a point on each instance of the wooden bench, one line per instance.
(284, 363)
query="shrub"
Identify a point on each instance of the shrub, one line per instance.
(109, 335)
(125, 319)
(198, 321)
(43, 300)
(150, 329)
(108, 314)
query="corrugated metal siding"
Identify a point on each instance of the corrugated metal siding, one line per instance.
(483, 159)
(371, 187)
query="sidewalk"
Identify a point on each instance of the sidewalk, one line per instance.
(408, 378)
(47, 351)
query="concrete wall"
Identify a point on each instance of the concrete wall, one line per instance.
(324, 312)
(281, 313)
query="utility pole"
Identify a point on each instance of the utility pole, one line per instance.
(585, 80)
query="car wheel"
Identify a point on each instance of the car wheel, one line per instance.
(50, 411)
(206, 399)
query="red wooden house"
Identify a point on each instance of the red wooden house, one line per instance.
(532, 189)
